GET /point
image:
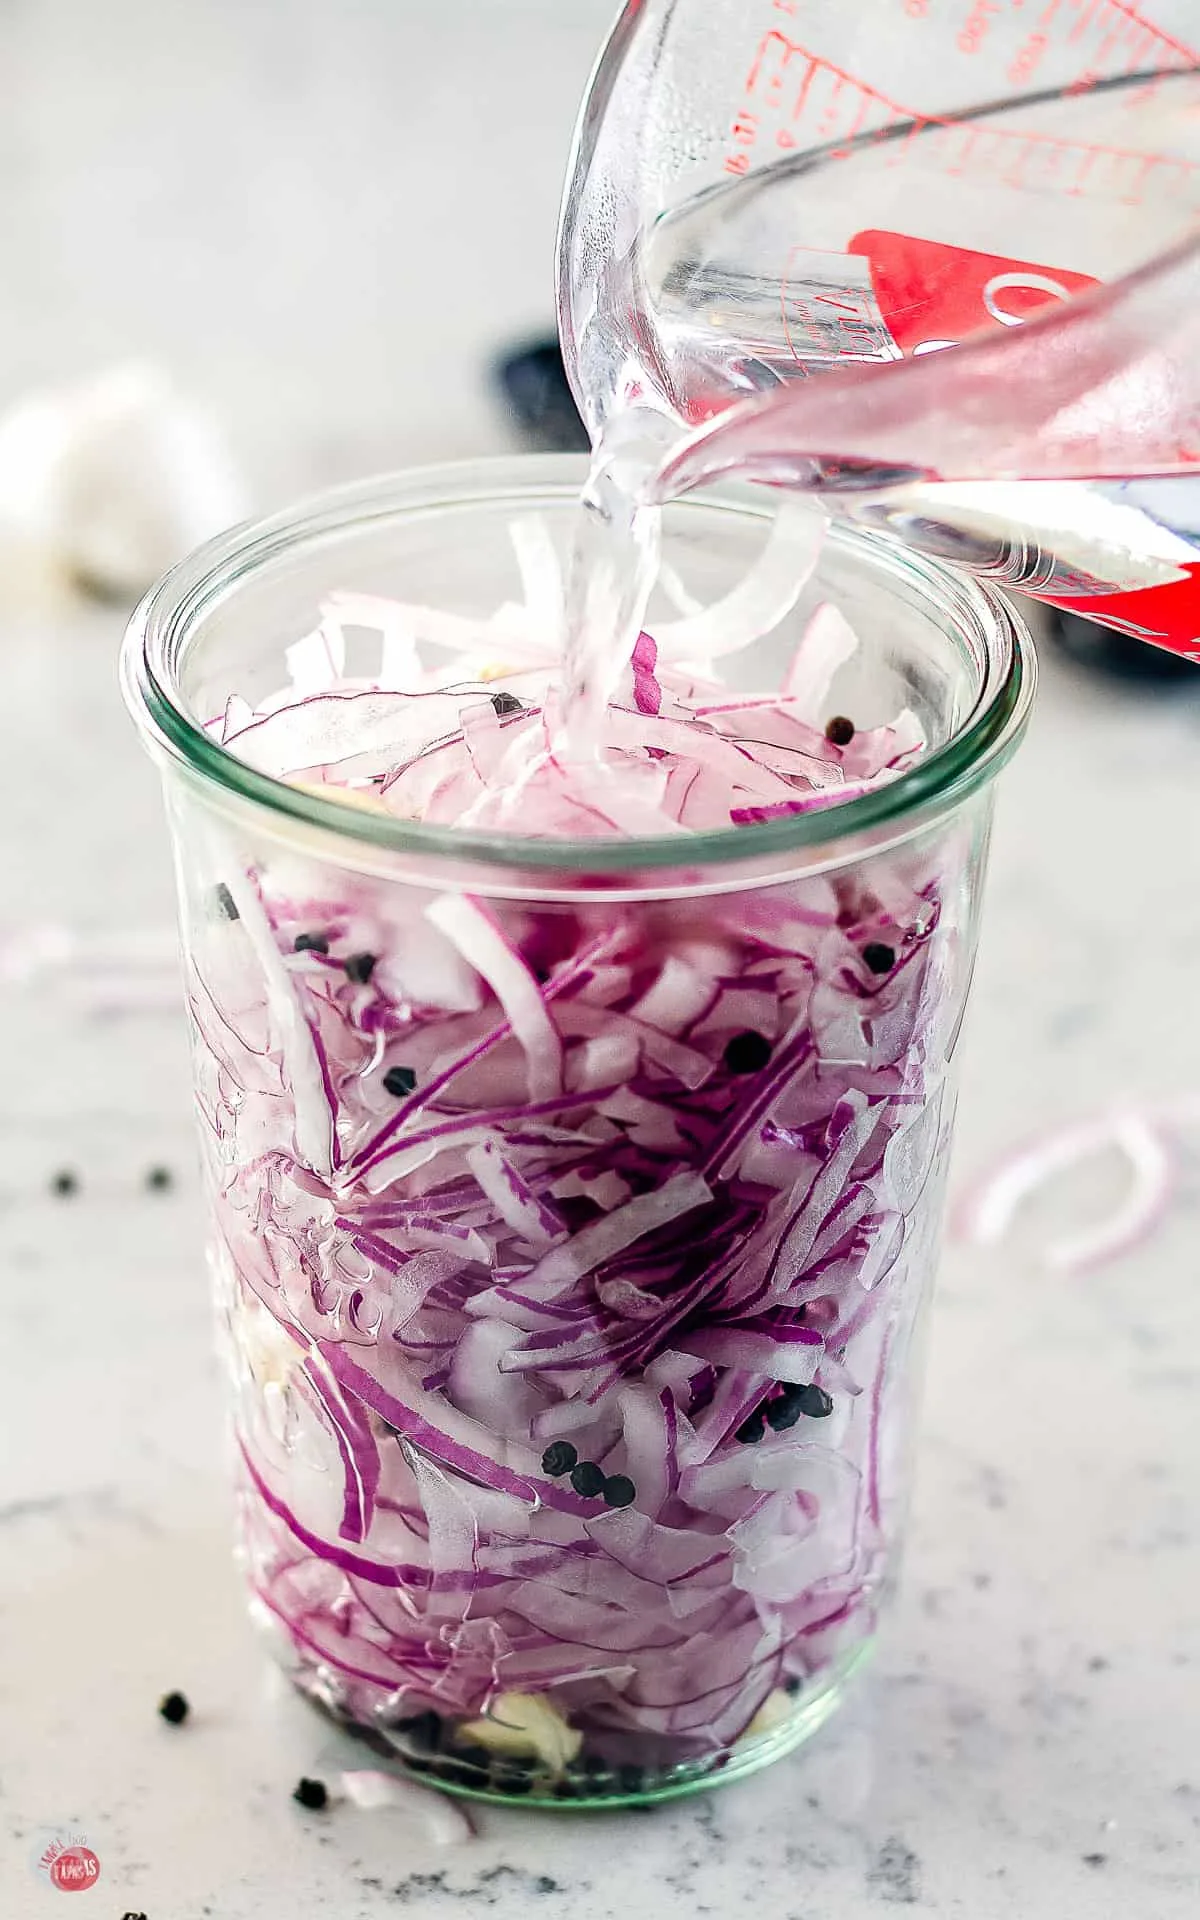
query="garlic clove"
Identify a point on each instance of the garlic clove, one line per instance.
(140, 478)
(525, 1724)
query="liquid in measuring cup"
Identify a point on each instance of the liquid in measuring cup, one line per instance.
(848, 191)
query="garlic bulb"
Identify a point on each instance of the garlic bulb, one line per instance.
(106, 484)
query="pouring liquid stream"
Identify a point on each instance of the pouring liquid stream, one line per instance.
(1056, 523)
(613, 567)
(1125, 555)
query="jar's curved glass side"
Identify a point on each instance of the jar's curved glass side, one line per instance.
(572, 1392)
(571, 1227)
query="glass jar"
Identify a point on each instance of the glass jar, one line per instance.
(574, 1207)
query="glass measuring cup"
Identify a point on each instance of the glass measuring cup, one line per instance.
(764, 193)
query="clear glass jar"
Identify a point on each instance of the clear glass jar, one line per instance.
(573, 1418)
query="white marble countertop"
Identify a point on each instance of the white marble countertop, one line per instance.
(1027, 1743)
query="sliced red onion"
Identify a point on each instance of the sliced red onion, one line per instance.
(324, 730)
(513, 1198)
(647, 693)
(649, 1171)
(481, 942)
(993, 1206)
(564, 1267)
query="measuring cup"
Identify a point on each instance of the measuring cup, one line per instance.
(765, 192)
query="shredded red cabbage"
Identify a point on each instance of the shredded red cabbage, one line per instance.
(566, 1251)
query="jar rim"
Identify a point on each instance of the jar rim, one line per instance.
(939, 781)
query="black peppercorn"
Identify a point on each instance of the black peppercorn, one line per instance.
(814, 1402)
(224, 902)
(878, 957)
(313, 1794)
(747, 1053)
(619, 1490)
(560, 1456)
(64, 1184)
(359, 968)
(839, 731)
(158, 1179)
(751, 1429)
(174, 1708)
(587, 1479)
(784, 1412)
(310, 943)
(506, 703)
(399, 1081)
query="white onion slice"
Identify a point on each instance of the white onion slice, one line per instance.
(766, 594)
(480, 941)
(828, 642)
(317, 662)
(371, 1788)
(563, 1267)
(399, 661)
(313, 1122)
(541, 579)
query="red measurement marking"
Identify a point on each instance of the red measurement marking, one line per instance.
(776, 40)
(973, 36)
(853, 130)
(1010, 149)
(1013, 177)
(1133, 197)
(968, 148)
(805, 87)
(830, 321)
(1130, 12)
(1084, 21)
(828, 121)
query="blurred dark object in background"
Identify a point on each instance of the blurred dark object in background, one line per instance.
(1118, 655)
(535, 386)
